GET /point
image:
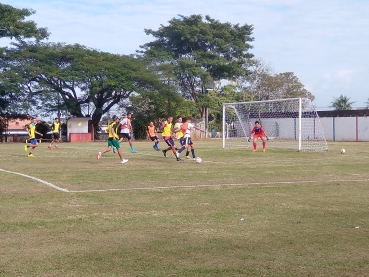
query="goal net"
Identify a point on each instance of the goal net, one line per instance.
(289, 123)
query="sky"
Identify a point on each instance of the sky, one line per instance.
(325, 43)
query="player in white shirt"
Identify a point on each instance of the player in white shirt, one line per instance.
(126, 131)
(187, 142)
(179, 134)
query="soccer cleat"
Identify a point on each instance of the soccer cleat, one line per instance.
(25, 148)
(98, 156)
(164, 153)
(179, 160)
(57, 147)
(124, 161)
(114, 149)
(134, 151)
(254, 150)
(49, 147)
(188, 157)
(264, 150)
(30, 156)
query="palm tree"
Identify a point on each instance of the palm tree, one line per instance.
(342, 103)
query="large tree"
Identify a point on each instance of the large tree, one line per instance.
(195, 50)
(70, 77)
(13, 24)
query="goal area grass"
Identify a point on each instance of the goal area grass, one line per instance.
(238, 213)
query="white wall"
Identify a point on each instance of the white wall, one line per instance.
(345, 128)
(334, 128)
(327, 125)
(363, 130)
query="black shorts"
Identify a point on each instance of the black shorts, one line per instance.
(187, 141)
(169, 142)
(125, 135)
(153, 138)
(55, 136)
(181, 141)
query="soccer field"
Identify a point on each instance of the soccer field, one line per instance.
(238, 213)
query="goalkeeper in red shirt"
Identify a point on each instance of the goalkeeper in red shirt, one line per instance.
(258, 132)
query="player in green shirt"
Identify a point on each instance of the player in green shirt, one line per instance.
(113, 140)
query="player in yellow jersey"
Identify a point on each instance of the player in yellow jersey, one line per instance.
(152, 135)
(55, 136)
(113, 140)
(179, 134)
(32, 138)
(166, 127)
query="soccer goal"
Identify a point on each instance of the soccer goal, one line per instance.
(289, 123)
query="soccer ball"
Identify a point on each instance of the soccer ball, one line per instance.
(343, 151)
(198, 160)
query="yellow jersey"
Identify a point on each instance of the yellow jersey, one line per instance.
(179, 133)
(113, 126)
(167, 129)
(31, 130)
(55, 127)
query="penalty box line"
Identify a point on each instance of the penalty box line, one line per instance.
(176, 187)
(36, 179)
(215, 185)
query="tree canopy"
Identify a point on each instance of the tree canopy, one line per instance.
(196, 50)
(13, 24)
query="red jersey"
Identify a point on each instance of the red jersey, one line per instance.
(258, 130)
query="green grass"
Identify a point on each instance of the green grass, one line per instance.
(158, 217)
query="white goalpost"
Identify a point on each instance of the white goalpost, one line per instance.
(291, 123)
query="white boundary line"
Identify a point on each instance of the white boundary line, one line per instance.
(216, 185)
(36, 179)
(177, 187)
